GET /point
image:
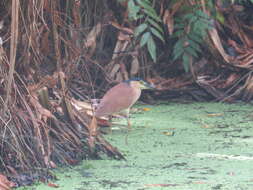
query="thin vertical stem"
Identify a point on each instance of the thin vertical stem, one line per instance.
(13, 49)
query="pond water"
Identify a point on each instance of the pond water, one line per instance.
(179, 146)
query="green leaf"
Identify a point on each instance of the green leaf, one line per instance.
(140, 29)
(194, 45)
(144, 38)
(200, 28)
(189, 50)
(201, 14)
(210, 5)
(196, 26)
(188, 16)
(139, 16)
(179, 26)
(178, 49)
(193, 20)
(178, 34)
(131, 4)
(152, 48)
(197, 38)
(145, 4)
(147, 1)
(156, 25)
(157, 33)
(153, 15)
(179, 45)
(133, 10)
(177, 53)
(185, 8)
(148, 9)
(186, 62)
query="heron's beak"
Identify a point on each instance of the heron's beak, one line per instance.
(148, 86)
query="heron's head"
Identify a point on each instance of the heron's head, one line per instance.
(139, 83)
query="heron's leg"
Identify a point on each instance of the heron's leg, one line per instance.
(128, 123)
(128, 119)
(110, 123)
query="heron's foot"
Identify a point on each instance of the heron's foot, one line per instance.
(129, 125)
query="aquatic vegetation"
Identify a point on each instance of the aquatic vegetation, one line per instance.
(211, 148)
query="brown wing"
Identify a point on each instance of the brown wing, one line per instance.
(118, 98)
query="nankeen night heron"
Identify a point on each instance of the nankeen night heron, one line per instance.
(121, 97)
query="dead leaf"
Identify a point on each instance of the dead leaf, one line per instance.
(169, 21)
(146, 109)
(176, 6)
(90, 41)
(45, 47)
(199, 182)
(72, 161)
(115, 69)
(160, 185)
(215, 114)
(121, 46)
(170, 133)
(52, 164)
(230, 80)
(135, 66)
(12, 170)
(206, 126)
(168, 18)
(124, 37)
(5, 184)
(53, 185)
(81, 105)
(217, 43)
(43, 113)
(125, 29)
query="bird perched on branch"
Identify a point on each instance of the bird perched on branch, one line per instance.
(121, 97)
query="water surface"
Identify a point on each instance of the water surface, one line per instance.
(175, 146)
